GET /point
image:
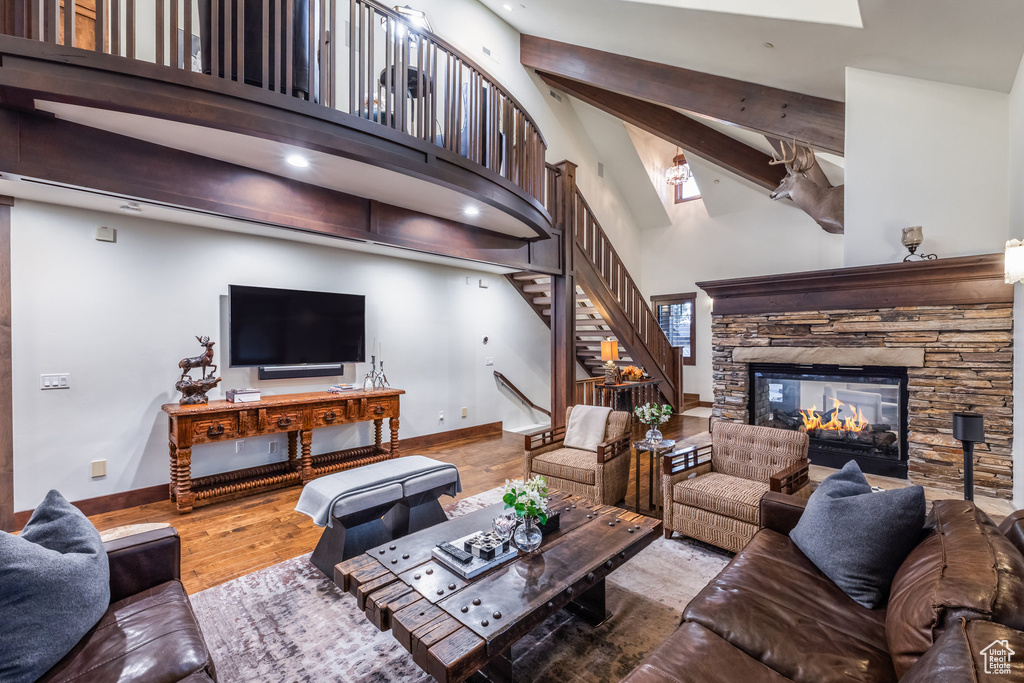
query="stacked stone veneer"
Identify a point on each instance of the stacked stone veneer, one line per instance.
(968, 365)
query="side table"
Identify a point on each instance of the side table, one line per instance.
(653, 450)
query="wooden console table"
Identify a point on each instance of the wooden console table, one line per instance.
(294, 414)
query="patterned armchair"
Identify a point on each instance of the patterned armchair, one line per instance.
(718, 499)
(601, 477)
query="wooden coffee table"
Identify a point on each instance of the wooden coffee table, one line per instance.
(455, 628)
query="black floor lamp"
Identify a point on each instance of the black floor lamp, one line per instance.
(969, 429)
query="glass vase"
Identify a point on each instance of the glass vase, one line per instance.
(527, 536)
(653, 434)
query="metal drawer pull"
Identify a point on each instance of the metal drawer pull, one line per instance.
(284, 421)
(379, 410)
(215, 430)
(330, 416)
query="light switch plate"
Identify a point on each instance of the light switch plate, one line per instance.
(105, 234)
(62, 381)
(99, 468)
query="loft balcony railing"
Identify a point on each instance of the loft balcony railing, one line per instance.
(353, 56)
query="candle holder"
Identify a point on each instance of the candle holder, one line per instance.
(912, 239)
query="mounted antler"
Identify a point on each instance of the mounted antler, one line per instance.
(825, 204)
(798, 159)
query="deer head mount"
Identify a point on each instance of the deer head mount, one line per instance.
(825, 204)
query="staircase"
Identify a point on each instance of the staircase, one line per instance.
(591, 328)
(608, 304)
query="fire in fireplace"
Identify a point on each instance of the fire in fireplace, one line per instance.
(862, 414)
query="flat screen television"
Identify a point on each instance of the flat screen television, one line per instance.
(293, 327)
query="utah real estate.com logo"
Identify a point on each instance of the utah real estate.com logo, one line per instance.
(997, 657)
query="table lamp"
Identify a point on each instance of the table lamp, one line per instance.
(610, 354)
(969, 429)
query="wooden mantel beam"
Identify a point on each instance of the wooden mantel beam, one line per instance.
(668, 124)
(814, 121)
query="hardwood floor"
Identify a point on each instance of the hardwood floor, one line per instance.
(226, 540)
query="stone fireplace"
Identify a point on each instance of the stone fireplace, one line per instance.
(848, 337)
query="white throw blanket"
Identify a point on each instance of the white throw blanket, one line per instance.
(586, 427)
(320, 495)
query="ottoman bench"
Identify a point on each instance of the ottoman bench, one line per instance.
(370, 505)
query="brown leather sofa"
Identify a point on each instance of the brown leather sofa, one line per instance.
(771, 616)
(149, 633)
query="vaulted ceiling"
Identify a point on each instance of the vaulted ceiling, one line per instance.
(977, 43)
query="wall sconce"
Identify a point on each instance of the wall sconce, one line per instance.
(912, 238)
(968, 429)
(1013, 267)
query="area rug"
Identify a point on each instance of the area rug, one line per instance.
(289, 623)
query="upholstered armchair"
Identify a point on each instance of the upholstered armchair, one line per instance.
(717, 499)
(601, 476)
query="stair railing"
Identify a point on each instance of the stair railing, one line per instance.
(519, 394)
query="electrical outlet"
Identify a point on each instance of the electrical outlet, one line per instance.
(440, 416)
(55, 381)
(99, 468)
(273, 446)
(489, 361)
(239, 446)
(465, 411)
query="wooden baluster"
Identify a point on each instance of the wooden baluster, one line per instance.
(173, 36)
(418, 104)
(313, 57)
(353, 104)
(187, 62)
(115, 27)
(173, 488)
(278, 13)
(402, 79)
(387, 97)
(129, 38)
(366, 87)
(69, 23)
(321, 54)
(433, 94)
(265, 66)
(161, 32)
(332, 101)
(100, 27)
(294, 464)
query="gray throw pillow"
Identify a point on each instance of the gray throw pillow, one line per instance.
(859, 538)
(55, 583)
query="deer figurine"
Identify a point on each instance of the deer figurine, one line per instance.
(202, 361)
(825, 204)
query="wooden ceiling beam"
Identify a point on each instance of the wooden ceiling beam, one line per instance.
(814, 121)
(668, 124)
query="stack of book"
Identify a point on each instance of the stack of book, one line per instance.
(247, 395)
(341, 388)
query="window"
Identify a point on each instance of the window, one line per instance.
(675, 315)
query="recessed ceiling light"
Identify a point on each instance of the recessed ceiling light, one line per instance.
(130, 207)
(297, 160)
(471, 211)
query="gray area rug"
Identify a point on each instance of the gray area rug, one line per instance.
(289, 623)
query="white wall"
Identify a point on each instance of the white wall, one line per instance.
(118, 317)
(1016, 231)
(757, 237)
(923, 153)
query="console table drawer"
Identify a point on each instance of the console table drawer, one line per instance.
(380, 407)
(215, 428)
(282, 419)
(326, 416)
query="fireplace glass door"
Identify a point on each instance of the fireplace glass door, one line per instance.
(848, 413)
